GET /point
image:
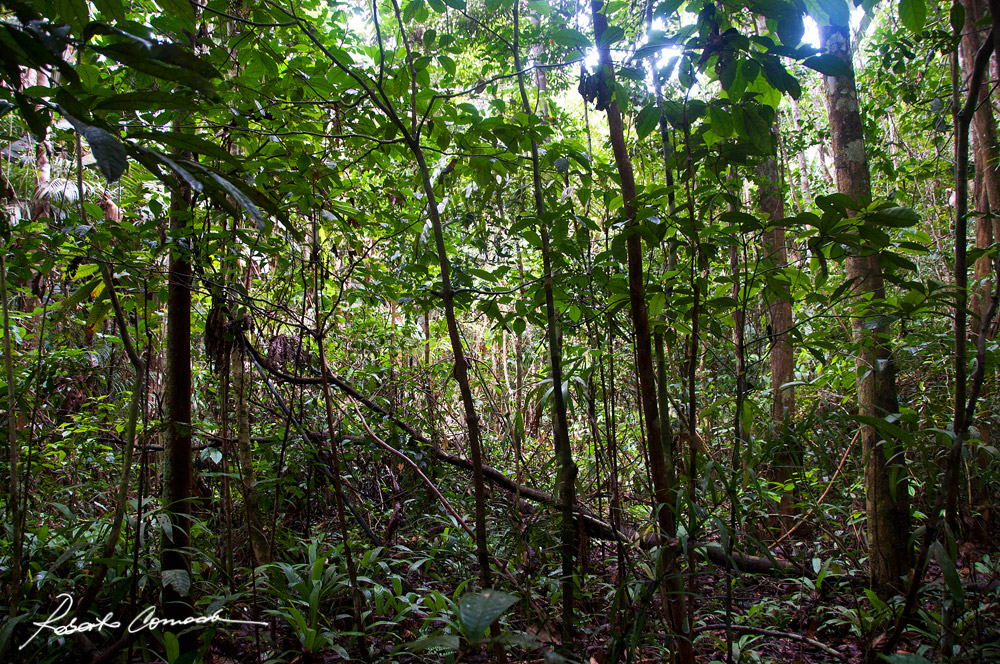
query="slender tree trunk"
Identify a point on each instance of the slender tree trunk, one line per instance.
(560, 427)
(255, 525)
(177, 469)
(782, 360)
(887, 487)
(637, 297)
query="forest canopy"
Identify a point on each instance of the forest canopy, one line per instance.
(490, 330)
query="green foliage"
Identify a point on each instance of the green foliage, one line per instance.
(295, 133)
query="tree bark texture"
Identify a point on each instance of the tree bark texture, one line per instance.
(987, 159)
(782, 359)
(886, 484)
(177, 467)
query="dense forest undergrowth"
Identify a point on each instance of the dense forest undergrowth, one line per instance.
(489, 330)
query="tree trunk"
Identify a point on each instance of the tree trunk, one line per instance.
(987, 158)
(886, 485)
(255, 525)
(637, 297)
(177, 467)
(560, 426)
(782, 360)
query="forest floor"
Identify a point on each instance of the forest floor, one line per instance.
(776, 620)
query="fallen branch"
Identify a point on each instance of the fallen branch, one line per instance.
(747, 629)
(592, 523)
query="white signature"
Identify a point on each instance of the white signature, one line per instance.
(145, 620)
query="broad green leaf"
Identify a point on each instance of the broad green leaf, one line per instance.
(913, 14)
(612, 35)
(667, 8)
(97, 315)
(111, 8)
(648, 119)
(540, 7)
(182, 9)
(951, 577)
(152, 159)
(85, 271)
(85, 291)
(791, 28)
(722, 122)
(109, 152)
(894, 217)
(244, 201)
(188, 143)
(447, 63)
(477, 611)
(888, 430)
(657, 41)
(37, 120)
(572, 38)
(956, 17)
(455, 4)
(172, 645)
(178, 579)
(828, 64)
(8, 629)
(828, 12)
(146, 100)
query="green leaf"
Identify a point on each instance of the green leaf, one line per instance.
(828, 64)
(612, 35)
(894, 217)
(188, 143)
(145, 100)
(151, 159)
(667, 8)
(178, 579)
(244, 201)
(540, 7)
(657, 41)
(111, 8)
(182, 9)
(82, 293)
(447, 63)
(37, 120)
(947, 566)
(172, 645)
(791, 28)
(8, 629)
(571, 38)
(887, 429)
(455, 4)
(649, 118)
(109, 152)
(956, 17)
(722, 122)
(85, 271)
(913, 14)
(477, 611)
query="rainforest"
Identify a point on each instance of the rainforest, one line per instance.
(545, 331)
